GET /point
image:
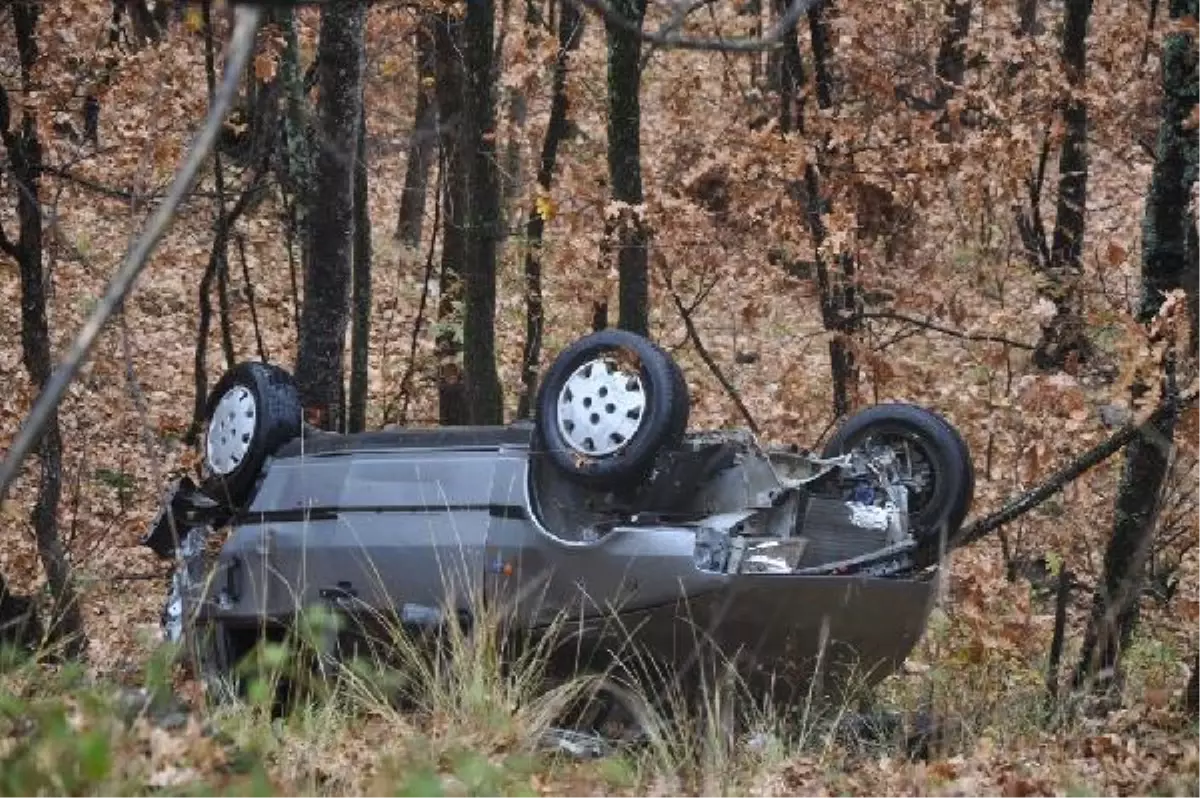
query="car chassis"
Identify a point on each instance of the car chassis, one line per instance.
(776, 560)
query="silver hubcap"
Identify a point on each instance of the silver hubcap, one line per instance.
(601, 407)
(231, 430)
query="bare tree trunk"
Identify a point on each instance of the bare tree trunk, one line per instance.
(485, 401)
(1027, 11)
(952, 53)
(360, 329)
(331, 218)
(25, 166)
(625, 168)
(422, 145)
(220, 252)
(452, 403)
(296, 172)
(20, 626)
(1064, 338)
(837, 295)
(791, 77)
(1191, 695)
(1167, 256)
(570, 30)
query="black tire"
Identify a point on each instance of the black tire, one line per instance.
(682, 410)
(662, 420)
(278, 419)
(937, 509)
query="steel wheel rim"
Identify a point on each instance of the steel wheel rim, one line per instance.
(231, 430)
(601, 408)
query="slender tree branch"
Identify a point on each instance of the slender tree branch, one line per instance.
(770, 40)
(704, 354)
(935, 327)
(410, 370)
(240, 49)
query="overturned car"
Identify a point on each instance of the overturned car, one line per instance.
(603, 510)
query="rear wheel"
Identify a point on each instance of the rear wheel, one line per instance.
(609, 404)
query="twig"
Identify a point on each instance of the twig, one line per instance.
(704, 354)
(935, 327)
(406, 380)
(681, 12)
(240, 49)
(240, 240)
(770, 40)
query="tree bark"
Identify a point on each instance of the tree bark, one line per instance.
(570, 32)
(331, 217)
(422, 145)
(1027, 12)
(791, 77)
(360, 329)
(1064, 337)
(838, 301)
(952, 53)
(296, 163)
(25, 166)
(1167, 256)
(452, 404)
(625, 168)
(485, 401)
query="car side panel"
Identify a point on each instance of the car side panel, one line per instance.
(398, 530)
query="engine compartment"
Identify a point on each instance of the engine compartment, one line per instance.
(754, 509)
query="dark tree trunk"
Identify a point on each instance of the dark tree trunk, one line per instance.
(331, 217)
(146, 25)
(512, 177)
(1064, 337)
(952, 53)
(625, 168)
(20, 626)
(1191, 695)
(452, 402)
(25, 166)
(569, 34)
(485, 401)
(836, 291)
(296, 163)
(791, 77)
(360, 329)
(1168, 231)
(1115, 601)
(1167, 256)
(422, 145)
(218, 264)
(1027, 12)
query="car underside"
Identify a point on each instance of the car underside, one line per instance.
(698, 548)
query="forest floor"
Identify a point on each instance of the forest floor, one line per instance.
(74, 729)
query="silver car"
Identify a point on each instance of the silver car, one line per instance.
(693, 547)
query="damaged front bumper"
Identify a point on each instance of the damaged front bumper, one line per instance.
(183, 508)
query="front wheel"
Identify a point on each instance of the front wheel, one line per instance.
(935, 463)
(252, 411)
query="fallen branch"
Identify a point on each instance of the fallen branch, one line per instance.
(889, 315)
(1023, 503)
(240, 49)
